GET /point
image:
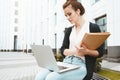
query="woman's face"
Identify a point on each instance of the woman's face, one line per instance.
(71, 14)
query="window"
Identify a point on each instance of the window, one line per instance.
(94, 1)
(16, 3)
(55, 16)
(16, 29)
(79, 0)
(15, 42)
(16, 20)
(16, 12)
(102, 23)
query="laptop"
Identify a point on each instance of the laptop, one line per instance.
(45, 59)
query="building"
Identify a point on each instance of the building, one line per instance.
(26, 22)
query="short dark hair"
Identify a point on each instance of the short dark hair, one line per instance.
(75, 5)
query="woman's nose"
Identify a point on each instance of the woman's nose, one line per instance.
(68, 17)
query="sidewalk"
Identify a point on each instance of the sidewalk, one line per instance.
(111, 65)
(17, 66)
(22, 66)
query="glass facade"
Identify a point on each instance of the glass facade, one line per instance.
(102, 23)
(94, 1)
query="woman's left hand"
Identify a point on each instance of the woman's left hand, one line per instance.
(82, 50)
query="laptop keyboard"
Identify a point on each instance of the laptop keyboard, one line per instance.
(62, 67)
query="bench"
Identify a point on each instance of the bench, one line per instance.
(98, 77)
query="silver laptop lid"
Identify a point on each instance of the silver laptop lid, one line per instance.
(45, 57)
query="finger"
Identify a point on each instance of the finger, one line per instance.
(83, 46)
(80, 44)
(77, 47)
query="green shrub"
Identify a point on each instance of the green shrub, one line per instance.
(98, 65)
(59, 57)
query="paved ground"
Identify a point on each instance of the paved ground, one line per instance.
(17, 66)
(22, 66)
(111, 65)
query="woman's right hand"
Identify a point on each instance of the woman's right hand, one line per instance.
(70, 52)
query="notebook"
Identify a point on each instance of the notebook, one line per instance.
(45, 59)
(94, 40)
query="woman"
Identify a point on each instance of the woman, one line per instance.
(72, 49)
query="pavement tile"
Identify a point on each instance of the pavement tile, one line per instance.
(111, 65)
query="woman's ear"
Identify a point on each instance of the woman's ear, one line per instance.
(78, 11)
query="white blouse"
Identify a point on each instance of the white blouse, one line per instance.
(76, 37)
